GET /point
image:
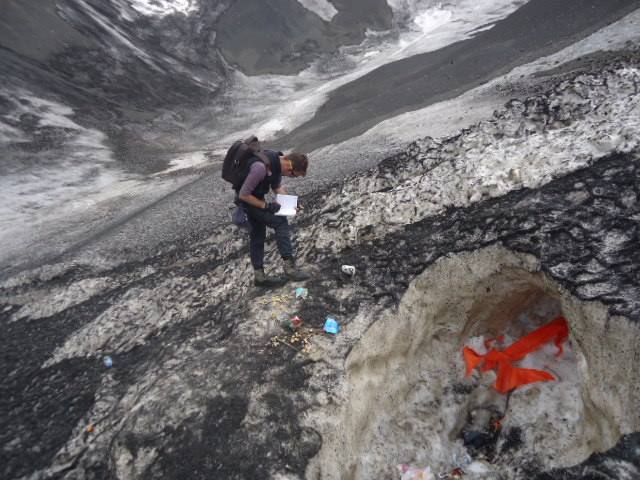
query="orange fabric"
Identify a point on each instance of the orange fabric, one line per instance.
(472, 359)
(556, 330)
(509, 376)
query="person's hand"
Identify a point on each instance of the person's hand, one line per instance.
(272, 207)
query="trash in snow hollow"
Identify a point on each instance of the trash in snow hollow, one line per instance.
(510, 376)
(301, 292)
(108, 362)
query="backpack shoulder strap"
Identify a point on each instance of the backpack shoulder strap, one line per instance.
(263, 157)
(255, 157)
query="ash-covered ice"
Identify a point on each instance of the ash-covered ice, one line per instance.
(525, 216)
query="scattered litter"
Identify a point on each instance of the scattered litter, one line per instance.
(90, 428)
(508, 376)
(108, 361)
(300, 341)
(301, 292)
(460, 462)
(275, 300)
(457, 473)
(413, 473)
(348, 270)
(276, 307)
(292, 324)
(331, 325)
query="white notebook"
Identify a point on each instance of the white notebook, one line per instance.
(288, 204)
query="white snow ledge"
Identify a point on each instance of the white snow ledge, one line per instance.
(323, 8)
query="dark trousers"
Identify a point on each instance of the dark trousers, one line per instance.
(260, 220)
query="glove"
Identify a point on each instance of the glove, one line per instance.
(272, 207)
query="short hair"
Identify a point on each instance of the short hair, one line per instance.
(299, 162)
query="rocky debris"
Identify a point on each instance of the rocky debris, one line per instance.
(197, 389)
(619, 462)
(527, 144)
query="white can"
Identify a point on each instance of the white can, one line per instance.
(349, 270)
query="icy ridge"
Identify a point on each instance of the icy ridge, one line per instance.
(194, 376)
(525, 145)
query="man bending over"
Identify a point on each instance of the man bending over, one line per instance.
(261, 214)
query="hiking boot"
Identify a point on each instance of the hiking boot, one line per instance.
(293, 272)
(260, 279)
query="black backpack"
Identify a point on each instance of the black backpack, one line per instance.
(238, 160)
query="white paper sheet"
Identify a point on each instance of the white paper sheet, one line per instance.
(288, 204)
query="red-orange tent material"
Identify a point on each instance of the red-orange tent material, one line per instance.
(509, 376)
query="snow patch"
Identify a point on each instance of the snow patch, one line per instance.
(257, 100)
(186, 160)
(449, 117)
(75, 162)
(129, 322)
(433, 18)
(59, 180)
(45, 304)
(323, 8)
(119, 34)
(162, 8)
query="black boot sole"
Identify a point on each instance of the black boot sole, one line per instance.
(271, 284)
